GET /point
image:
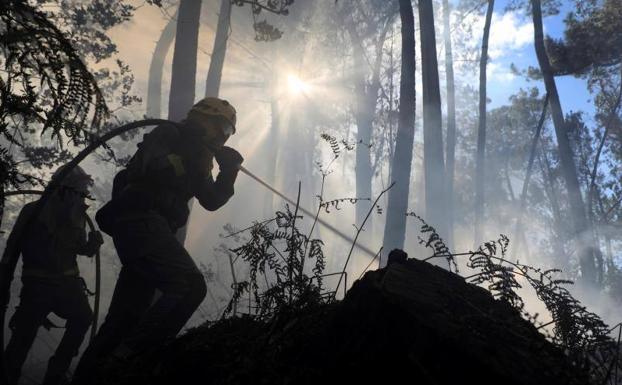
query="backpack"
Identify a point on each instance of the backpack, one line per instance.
(106, 216)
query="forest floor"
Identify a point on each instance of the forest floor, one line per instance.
(411, 320)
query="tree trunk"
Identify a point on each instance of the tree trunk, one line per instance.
(183, 80)
(366, 100)
(154, 86)
(584, 242)
(272, 154)
(364, 118)
(518, 229)
(613, 113)
(214, 73)
(561, 260)
(480, 166)
(451, 123)
(395, 228)
(272, 142)
(433, 159)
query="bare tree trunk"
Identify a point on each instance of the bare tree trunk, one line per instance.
(364, 118)
(154, 86)
(366, 101)
(272, 143)
(433, 159)
(214, 73)
(451, 123)
(561, 260)
(583, 236)
(183, 80)
(592, 186)
(532, 156)
(480, 165)
(395, 228)
(391, 73)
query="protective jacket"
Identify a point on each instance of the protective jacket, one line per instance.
(169, 168)
(149, 203)
(50, 244)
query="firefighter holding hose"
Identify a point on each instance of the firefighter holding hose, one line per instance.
(149, 205)
(51, 280)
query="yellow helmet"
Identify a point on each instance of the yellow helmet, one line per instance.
(211, 106)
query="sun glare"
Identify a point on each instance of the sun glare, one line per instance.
(296, 85)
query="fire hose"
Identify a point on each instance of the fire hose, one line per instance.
(302, 209)
(96, 142)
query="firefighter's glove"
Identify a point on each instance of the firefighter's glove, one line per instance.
(95, 240)
(228, 158)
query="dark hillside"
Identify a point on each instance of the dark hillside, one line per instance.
(411, 320)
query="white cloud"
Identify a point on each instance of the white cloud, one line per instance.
(511, 36)
(509, 33)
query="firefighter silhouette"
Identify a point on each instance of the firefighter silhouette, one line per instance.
(149, 205)
(49, 246)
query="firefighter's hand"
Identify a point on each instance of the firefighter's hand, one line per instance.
(228, 158)
(95, 239)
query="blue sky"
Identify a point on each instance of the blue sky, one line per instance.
(514, 44)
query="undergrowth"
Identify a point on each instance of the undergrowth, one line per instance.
(276, 252)
(276, 256)
(581, 334)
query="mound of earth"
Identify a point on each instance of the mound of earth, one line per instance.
(411, 322)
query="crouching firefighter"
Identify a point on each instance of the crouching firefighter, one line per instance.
(51, 280)
(149, 205)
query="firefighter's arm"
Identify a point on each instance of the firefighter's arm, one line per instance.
(12, 251)
(91, 245)
(213, 194)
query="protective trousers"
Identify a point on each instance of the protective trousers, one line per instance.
(38, 298)
(152, 259)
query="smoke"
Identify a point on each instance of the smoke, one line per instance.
(280, 123)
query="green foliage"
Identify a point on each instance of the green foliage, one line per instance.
(580, 333)
(335, 203)
(575, 328)
(46, 156)
(501, 279)
(49, 94)
(592, 39)
(44, 85)
(613, 281)
(278, 255)
(265, 31)
(432, 240)
(549, 7)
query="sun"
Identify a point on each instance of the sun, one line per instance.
(296, 86)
